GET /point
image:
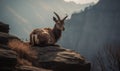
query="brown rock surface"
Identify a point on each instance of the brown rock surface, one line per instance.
(57, 58)
(50, 58)
(4, 27)
(4, 38)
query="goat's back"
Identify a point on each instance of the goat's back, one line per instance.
(45, 36)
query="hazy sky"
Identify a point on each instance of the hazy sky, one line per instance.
(25, 15)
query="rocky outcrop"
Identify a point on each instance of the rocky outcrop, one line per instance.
(7, 60)
(7, 57)
(58, 58)
(49, 58)
(4, 38)
(4, 27)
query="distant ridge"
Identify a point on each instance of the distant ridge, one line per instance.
(93, 28)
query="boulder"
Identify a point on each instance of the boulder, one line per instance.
(4, 27)
(49, 58)
(58, 58)
(4, 38)
(7, 60)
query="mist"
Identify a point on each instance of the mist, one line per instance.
(25, 15)
(94, 28)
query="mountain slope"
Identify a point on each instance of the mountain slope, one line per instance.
(93, 28)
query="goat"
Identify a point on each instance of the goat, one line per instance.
(48, 36)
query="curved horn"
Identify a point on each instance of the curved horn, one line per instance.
(65, 17)
(57, 15)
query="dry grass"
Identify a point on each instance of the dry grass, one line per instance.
(25, 54)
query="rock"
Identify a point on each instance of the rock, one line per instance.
(4, 27)
(50, 58)
(7, 60)
(4, 38)
(57, 58)
(30, 68)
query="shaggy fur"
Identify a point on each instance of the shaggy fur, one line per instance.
(42, 37)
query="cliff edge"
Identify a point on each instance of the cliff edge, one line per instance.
(22, 57)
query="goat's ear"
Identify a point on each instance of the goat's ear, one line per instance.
(54, 19)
